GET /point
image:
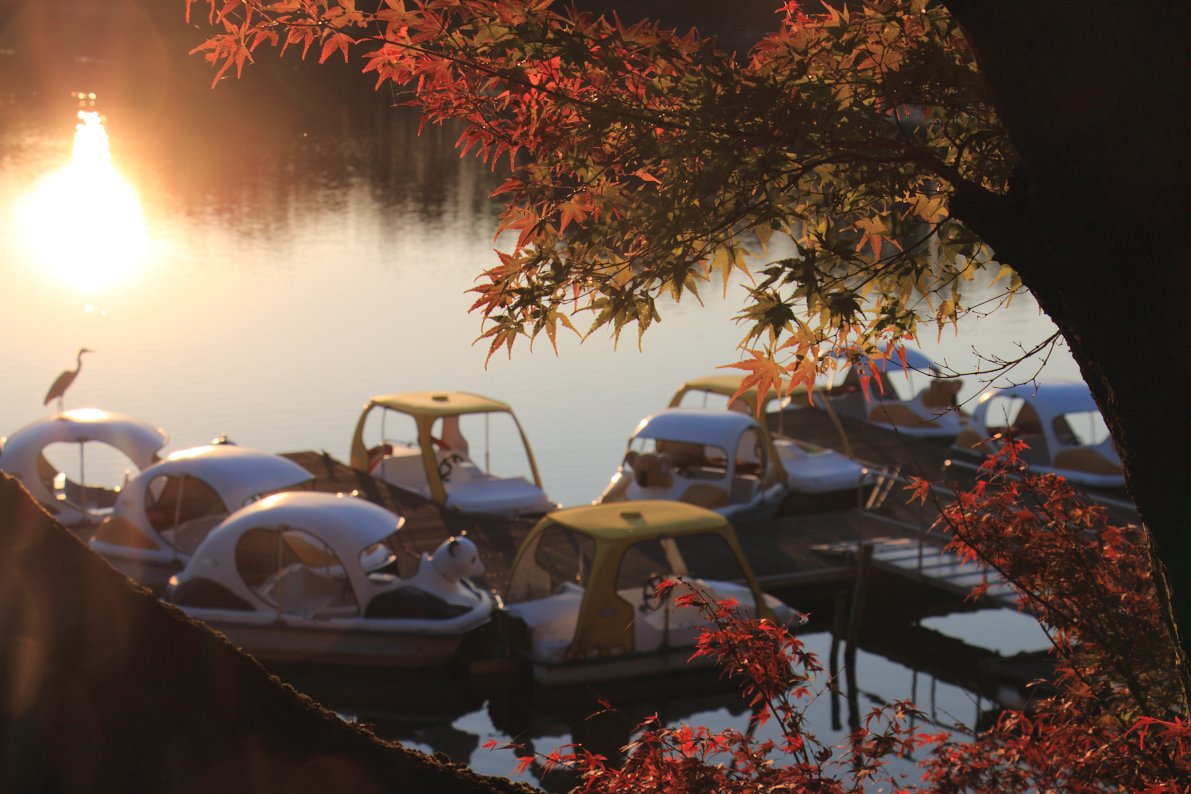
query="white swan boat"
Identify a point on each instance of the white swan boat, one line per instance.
(83, 503)
(165, 513)
(422, 447)
(719, 460)
(1059, 422)
(807, 469)
(324, 579)
(583, 582)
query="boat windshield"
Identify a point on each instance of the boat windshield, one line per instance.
(693, 557)
(295, 572)
(555, 557)
(1082, 428)
(183, 510)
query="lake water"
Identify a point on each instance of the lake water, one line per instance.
(260, 259)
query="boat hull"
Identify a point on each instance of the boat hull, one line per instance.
(618, 668)
(300, 641)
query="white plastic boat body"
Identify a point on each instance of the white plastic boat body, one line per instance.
(719, 460)
(309, 577)
(1059, 422)
(807, 469)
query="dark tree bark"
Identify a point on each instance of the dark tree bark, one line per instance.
(1096, 97)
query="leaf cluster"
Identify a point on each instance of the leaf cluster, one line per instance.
(647, 164)
(1090, 586)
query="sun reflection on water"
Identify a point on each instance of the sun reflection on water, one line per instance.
(83, 224)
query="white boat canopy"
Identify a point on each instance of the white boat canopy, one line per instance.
(236, 473)
(21, 455)
(1060, 424)
(721, 429)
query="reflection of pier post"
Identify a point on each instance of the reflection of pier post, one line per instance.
(855, 616)
(838, 627)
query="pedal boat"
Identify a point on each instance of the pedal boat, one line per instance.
(583, 583)
(76, 504)
(718, 460)
(1060, 423)
(929, 411)
(324, 579)
(166, 511)
(807, 469)
(436, 463)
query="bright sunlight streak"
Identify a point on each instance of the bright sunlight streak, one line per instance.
(83, 224)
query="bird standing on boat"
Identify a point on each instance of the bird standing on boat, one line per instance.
(64, 380)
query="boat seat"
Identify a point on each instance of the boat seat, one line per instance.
(941, 393)
(701, 494)
(404, 468)
(653, 471)
(898, 415)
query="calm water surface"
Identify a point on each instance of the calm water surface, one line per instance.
(261, 259)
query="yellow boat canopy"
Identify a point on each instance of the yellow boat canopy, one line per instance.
(426, 407)
(605, 622)
(439, 403)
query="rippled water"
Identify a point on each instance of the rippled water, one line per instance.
(260, 259)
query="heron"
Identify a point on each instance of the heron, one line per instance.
(64, 380)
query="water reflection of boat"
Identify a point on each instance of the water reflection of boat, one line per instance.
(166, 511)
(325, 579)
(78, 505)
(719, 460)
(434, 459)
(1060, 423)
(815, 475)
(584, 579)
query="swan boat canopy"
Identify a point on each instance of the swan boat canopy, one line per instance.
(805, 468)
(325, 579)
(584, 579)
(77, 503)
(1061, 426)
(421, 446)
(165, 513)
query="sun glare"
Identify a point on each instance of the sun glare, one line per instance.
(83, 223)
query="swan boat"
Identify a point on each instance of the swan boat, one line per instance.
(165, 512)
(435, 459)
(78, 504)
(807, 469)
(325, 579)
(1061, 426)
(583, 583)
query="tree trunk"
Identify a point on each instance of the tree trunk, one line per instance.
(1095, 97)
